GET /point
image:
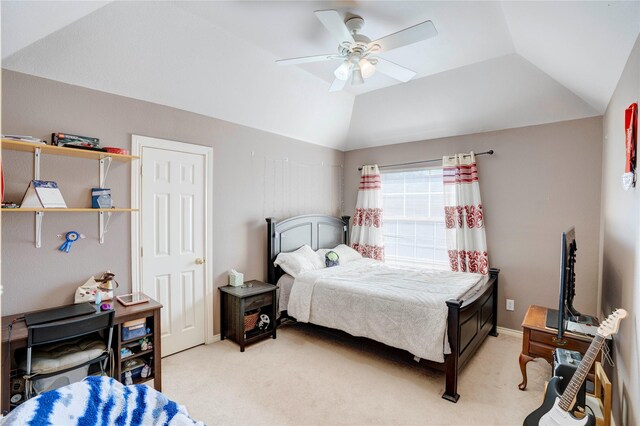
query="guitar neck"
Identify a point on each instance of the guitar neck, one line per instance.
(580, 375)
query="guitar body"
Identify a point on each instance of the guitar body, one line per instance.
(549, 414)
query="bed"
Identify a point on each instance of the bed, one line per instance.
(468, 319)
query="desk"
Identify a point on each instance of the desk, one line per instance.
(538, 341)
(150, 310)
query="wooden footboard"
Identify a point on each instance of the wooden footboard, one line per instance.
(469, 322)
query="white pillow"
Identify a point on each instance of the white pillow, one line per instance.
(345, 253)
(299, 261)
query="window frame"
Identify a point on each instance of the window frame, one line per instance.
(433, 263)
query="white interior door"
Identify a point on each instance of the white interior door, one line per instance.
(172, 225)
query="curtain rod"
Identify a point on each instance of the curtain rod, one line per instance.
(490, 152)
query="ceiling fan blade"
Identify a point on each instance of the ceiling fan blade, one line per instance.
(407, 36)
(394, 70)
(306, 59)
(337, 85)
(334, 23)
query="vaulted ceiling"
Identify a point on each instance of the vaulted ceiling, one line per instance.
(493, 65)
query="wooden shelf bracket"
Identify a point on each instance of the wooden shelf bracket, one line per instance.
(36, 163)
(104, 224)
(105, 164)
(39, 217)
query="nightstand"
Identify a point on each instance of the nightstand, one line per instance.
(538, 341)
(242, 311)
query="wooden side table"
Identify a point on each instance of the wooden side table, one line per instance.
(238, 302)
(538, 341)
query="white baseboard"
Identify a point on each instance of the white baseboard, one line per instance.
(216, 338)
(509, 332)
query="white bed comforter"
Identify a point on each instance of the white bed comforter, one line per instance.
(400, 307)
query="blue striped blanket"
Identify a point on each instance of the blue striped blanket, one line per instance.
(100, 401)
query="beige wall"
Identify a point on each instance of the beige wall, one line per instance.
(541, 180)
(255, 174)
(620, 242)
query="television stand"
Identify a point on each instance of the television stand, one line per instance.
(552, 319)
(539, 341)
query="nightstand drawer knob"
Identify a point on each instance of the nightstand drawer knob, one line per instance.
(200, 261)
(559, 342)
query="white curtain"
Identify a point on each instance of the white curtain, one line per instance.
(464, 219)
(366, 233)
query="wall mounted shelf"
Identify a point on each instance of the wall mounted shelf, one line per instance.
(105, 159)
(68, 210)
(61, 150)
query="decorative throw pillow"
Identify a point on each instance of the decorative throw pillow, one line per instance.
(331, 259)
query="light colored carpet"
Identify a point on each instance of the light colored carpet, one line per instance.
(311, 376)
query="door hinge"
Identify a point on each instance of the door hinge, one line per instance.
(141, 251)
(140, 170)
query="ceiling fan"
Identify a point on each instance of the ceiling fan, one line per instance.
(359, 53)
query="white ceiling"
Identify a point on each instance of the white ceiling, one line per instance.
(24, 22)
(463, 101)
(493, 65)
(468, 32)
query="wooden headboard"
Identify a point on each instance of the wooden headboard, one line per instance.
(316, 231)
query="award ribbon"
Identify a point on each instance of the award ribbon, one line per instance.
(70, 237)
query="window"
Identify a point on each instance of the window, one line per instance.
(413, 217)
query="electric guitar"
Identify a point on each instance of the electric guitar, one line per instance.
(554, 411)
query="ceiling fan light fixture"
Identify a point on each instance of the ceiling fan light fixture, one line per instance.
(359, 53)
(367, 68)
(342, 72)
(356, 77)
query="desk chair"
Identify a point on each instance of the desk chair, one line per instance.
(62, 346)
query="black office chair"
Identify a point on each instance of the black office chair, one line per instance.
(62, 346)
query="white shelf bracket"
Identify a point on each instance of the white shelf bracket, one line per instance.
(39, 216)
(104, 225)
(36, 164)
(105, 164)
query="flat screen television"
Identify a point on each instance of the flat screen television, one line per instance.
(566, 311)
(567, 279)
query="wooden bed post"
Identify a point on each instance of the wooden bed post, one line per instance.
(271, 241)
(345, 219)
(494, 272)
(451, 360)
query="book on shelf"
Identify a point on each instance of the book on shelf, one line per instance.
(23, 138)
(132, 323)
(43, 193)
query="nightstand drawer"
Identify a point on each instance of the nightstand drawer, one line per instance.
(258, 301)
(552, 340)
(541, 350)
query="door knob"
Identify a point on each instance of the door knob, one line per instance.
(200, 261)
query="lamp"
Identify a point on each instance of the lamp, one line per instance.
(356, 77)
(342, 72)
(368, 69)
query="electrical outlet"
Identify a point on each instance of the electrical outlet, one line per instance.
(511, 305)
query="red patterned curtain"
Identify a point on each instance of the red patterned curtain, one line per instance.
(366, 233)
(464, 219)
